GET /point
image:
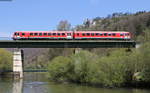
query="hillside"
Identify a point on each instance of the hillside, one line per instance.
(134, 23)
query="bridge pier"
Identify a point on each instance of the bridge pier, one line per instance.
(18, 63)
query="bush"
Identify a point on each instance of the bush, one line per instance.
(5, 60)
(145, 62)
(58, 68)
(114, 70)
(145, 37)
(83, 66)
(86, 67)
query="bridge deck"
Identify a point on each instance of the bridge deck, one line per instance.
(66, 44)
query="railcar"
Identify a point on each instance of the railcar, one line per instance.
(30, 35)
(70, 35)
(108, 35)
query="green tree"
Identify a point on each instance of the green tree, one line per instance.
(64, 25)
(145, 62)
(83, 63)
(145, 36)
(58, 68)
(5, 60)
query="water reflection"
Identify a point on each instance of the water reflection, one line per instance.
(38, 83)
(35, 87)
(18, 86)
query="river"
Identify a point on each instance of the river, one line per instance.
(39, 83)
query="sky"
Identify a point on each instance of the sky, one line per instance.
(44, 15)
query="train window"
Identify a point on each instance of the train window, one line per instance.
(35, 34)
(126, 34)
(58, 34)
(88, 34)
(121, 34)
(16, 33)
(23, 34)
(49, 34)
(45, 34)
(54, 34)
(97, 34)
(83, 34)
(69, 34)
(92, 34)
(63, 34)
(105, 34)
(77, 34)
(101, 34)
(109, 34)
(40, 34)
(113, 34)
(31, 34)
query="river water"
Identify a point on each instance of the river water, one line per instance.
(39, 83)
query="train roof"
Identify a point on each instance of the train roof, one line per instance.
(42, 31)
(74, 31)
(104, 31)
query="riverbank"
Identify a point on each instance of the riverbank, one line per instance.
(6, 74)
(138, 85)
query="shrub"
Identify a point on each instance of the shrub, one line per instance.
(5, 60)
(83, 66)
(58, 68)
(113, 70)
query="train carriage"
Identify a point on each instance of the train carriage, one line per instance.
(70, 35)
(27, 35)
(109, 35)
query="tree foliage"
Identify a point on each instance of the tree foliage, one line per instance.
(64, 25)
(58, 68)
(5, 60)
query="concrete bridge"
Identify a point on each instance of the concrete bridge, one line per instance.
(18, 53)
(67, 44)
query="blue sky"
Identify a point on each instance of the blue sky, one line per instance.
(41, 15)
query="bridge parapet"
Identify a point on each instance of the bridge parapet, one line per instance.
(67, 44)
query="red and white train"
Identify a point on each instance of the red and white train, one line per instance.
(71, 35)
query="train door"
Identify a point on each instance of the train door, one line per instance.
(69, 35)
